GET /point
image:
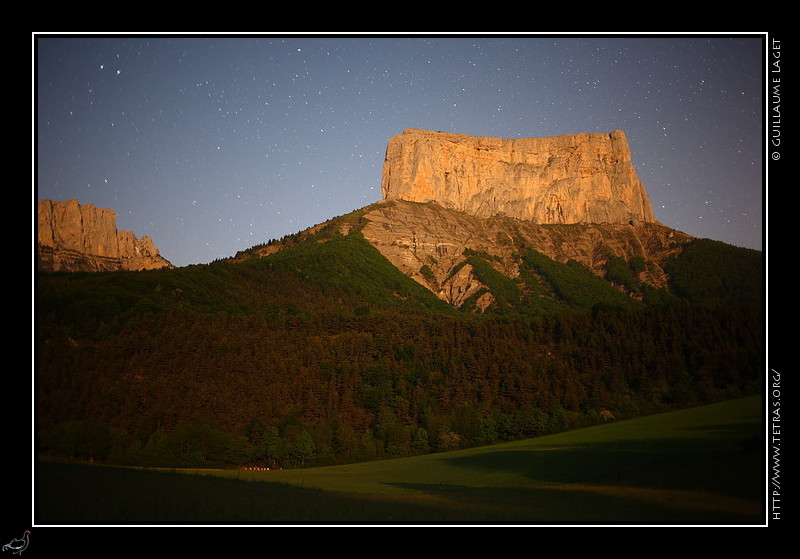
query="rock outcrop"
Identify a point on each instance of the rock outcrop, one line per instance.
(80, 237)
(430, 243)
(578, 178)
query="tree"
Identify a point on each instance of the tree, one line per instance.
(273, 447)
(466, 422)
(420, 442)
(449, 440)
(304, 448)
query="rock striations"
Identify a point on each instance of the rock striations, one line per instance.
(576, 178)
(573, 198)
(80, 237)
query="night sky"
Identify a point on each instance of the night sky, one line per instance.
(214, 144)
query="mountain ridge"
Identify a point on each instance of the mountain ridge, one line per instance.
(436, 246)
(443, 243)
(448, 196)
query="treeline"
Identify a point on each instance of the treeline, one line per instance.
(190, 388)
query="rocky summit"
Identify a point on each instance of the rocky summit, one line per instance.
(573, 198)
(575, 178)
(80, 237)
(448, 198)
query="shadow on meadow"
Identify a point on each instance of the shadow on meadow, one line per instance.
(79, 494)
(696, 478)
(587, 504)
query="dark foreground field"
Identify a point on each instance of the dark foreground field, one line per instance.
(698, 466)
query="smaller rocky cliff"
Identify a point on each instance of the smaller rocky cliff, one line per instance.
(574, 178)
(80, 237)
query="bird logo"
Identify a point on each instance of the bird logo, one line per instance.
(18, 545)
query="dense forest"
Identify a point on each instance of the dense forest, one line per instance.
(325, 353)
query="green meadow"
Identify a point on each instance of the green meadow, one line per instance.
(698, 466)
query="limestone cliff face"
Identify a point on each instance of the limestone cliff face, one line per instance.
(579, 178)
(81, 237)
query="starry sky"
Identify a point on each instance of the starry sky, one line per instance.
(212, 144)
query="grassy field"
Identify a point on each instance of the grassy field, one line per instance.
(703, 465)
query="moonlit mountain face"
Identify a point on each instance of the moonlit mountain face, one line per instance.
(576, 178)
(210, 145)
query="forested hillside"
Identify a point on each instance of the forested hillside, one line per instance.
(324, 352)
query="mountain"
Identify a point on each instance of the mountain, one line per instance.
(478, 220)
(80, 237)
(401, 328)
(573, 198)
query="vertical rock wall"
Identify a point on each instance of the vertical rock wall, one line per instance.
(73, 237)
(578, 178)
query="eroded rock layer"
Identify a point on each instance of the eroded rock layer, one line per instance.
(428, 243)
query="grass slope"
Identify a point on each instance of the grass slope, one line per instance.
(695, 466)
(343, 272)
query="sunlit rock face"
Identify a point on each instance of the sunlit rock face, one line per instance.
(80, 237)
(576, 178)
(430, 243)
